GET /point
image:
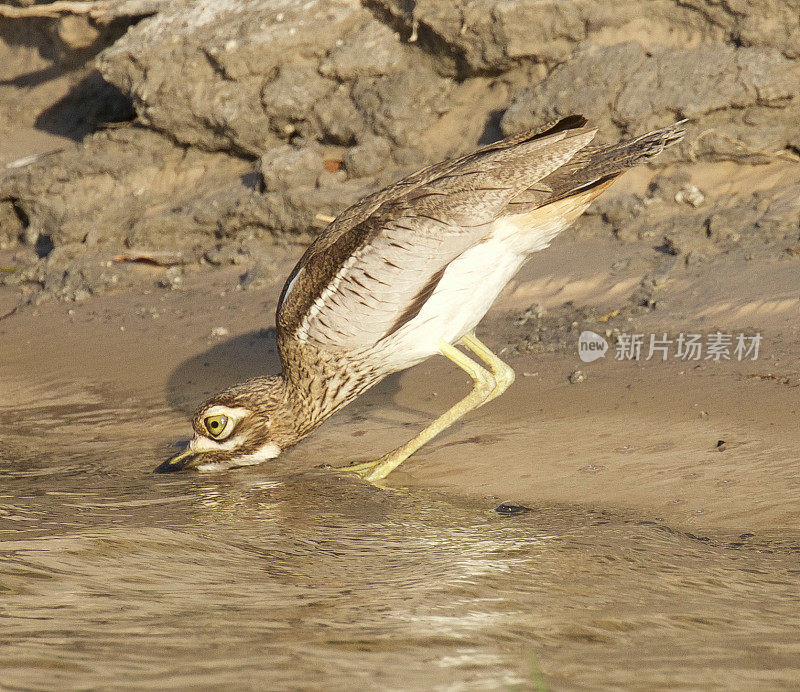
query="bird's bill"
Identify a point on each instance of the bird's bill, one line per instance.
(180, 462)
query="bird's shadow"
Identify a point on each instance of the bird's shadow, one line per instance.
(240, 358)
(220, 366)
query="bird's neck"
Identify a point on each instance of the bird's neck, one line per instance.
(314, 399)
(308, 407)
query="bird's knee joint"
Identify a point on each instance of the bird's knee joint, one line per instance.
(484, 382)
(508, 375)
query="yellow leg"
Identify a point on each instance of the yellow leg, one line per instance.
(484, 385)
(503, 373)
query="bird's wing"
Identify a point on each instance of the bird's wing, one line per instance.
(376, 265)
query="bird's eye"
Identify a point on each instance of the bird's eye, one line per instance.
(218, 426)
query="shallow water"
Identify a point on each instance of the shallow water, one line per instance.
(260, 577)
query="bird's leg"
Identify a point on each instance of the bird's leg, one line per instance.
(503, 376)
(503, 373)
(483, 386)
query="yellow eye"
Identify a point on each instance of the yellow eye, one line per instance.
(217, 426)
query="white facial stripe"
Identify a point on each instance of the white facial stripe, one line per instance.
(264, 453)
(212, 467)
(205, 444)
(235, 412)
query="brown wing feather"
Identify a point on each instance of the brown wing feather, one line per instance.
(378, 262)
(350, 221)
(404, 235)
(594, 165)
(351, 218)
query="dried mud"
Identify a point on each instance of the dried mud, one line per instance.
(235, 130)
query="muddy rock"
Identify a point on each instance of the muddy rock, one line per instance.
(760, 206)
(289, 100)
(77, 31)
(264, 119)
(403, 105)
(754, 22)
(373, 50)
(67, 273)
(12, 226)
(47, 79)
(576, 377)
(127, 185)
(202, 73)
(286, 166)
(227, 78)
(368, 158)
(742, 104)
(304, 212)
(493, 36)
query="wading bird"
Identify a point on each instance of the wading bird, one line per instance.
(405, 274)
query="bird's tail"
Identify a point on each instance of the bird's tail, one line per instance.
(594, 166)
(624, 155)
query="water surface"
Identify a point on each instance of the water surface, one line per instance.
(262, 577)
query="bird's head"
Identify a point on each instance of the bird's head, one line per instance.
(244, 425)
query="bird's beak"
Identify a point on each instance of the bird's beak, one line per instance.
(179, 462)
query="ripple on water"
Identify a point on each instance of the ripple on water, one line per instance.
(264, 577)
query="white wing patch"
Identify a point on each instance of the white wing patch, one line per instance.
(291, 286)
(473, 281)
(319, 303)
(205, 444)
(371, 288)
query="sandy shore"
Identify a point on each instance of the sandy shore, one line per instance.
(702, 445)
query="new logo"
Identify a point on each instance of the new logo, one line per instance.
(591, 346)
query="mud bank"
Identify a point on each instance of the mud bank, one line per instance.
(222, 131)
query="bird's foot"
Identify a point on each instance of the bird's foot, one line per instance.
(373, 472)
(363, 469)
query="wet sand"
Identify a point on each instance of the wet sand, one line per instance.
(640, 436)
(649, 558)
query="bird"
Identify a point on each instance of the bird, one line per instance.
(405, 274)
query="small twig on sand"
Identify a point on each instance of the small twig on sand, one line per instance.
(9, 313)
(54, 9)
(102, 11)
